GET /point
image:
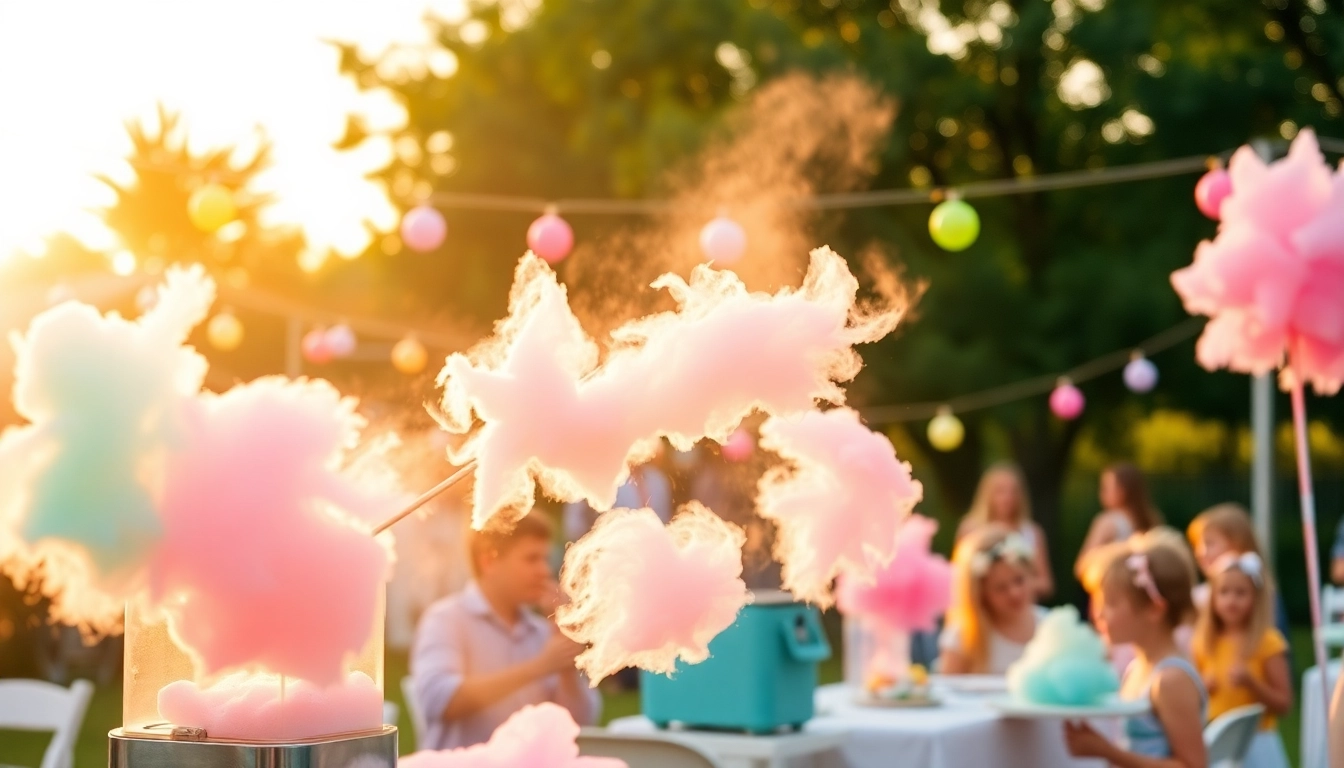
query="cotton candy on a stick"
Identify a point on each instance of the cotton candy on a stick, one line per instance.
(642, 594)
(538, 736)
(1272, 278)
(551, 408)
(266, 561)
(910, 592)
(838, 500)
(79, 484)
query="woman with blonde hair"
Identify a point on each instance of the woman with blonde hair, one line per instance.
(1001, 498)
(993, 615)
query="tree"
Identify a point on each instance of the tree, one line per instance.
(605, 97)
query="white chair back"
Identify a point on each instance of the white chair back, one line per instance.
(391, 713)
(36, 705)
(643, 750)
(413, 709)
(1228, 737)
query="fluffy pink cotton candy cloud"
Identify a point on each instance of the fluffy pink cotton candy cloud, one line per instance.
(1270, 280)
(837, 501)
(266, 561)
(538, 736)
(254, 707)
(550, 409)
(642, 594)
(910, 592)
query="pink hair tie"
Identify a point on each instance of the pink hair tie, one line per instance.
(1143, 577)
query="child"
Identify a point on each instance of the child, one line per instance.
(1240, 654)
(1215, 532)
(993, 614)
(1144, 596)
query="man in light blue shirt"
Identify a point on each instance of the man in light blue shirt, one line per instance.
(484, 653)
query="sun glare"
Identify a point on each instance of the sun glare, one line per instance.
(78, 70)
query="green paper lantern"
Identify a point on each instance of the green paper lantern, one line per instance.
(954, 225)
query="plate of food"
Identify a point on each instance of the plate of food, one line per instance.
(1112, 706)
(911, 690)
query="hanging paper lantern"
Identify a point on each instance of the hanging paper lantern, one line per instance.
(1140, 374)
(423, 229)
(409, 356)
(211, 207)
(340, 341)
(946, 431)
(739, 447)
(225, 331)
(1066, 401)
(954, 225)
(1212, 189)
(723, 241)
(315, 348)
(550, 237)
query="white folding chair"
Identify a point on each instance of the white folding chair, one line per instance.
(1332, 616)
(391, 713)
(643, 751)
(1228, 737)
(36, 705)
(413, 709)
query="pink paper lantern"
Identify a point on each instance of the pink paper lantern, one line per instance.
(423, 229)
(315, 349)
(551, 238)
(1066, 401)
(739, 447)
(1212, 189)
(340, 341)
(723, 240)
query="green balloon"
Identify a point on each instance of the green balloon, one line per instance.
(954, 225)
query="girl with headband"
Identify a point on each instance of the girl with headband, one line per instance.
(1240, 654)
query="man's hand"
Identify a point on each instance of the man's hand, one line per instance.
(558, 654)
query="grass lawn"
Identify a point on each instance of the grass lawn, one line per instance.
(17, 748)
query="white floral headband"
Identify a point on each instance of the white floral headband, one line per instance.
(1013, 546)
(1143, 577)
(1248, 563)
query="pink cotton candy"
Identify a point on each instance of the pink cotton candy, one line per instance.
(252, 708)
(551, 410)
(643, 594)
(266, 560)
(539, 736)
(1271, 280)
(911, 592)
(839, 501)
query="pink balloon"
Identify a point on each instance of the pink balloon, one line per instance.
(315, 349)
(723, 240)
(551, 238)
(340, 341)
(1066, 402)
(739, 447)
(1212, 189)
(423, 229)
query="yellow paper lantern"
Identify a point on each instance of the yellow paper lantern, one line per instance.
(409, 356)
(225, 331)
(946, 431)
(211, 207)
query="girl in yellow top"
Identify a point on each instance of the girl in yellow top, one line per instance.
(1241, 655)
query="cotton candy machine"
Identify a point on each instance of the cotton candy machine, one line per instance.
(760, 675)
(172, 716)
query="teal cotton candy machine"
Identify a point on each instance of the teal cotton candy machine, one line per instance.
(760, 675)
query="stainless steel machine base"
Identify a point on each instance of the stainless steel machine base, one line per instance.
(370, 750)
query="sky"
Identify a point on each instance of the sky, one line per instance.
(76, 70)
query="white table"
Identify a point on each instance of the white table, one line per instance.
(1314, 712)
(962, 733)
(734, 750)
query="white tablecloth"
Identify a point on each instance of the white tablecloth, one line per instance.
(1314, 712)
(962, 733)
